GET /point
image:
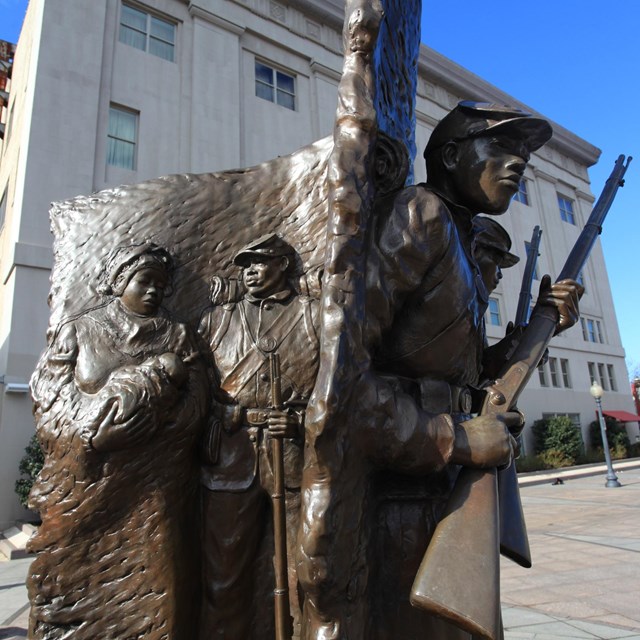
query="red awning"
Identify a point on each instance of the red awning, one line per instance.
(623, 416)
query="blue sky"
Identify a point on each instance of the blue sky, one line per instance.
(575, 61)
(578, 63)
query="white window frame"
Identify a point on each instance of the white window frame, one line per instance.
(275, 87)
(604, 383)
(564, 371)
(152, 20)
(553, 370)
(612, 377)
(493, 311)
(113, 138)
(567, 209)
(542, 374)
(592, 330)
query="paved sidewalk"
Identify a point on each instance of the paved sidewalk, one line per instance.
(585, 543)
(14, 609)
(585, 546)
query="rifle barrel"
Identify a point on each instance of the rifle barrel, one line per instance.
(524, 300)
(581, 250)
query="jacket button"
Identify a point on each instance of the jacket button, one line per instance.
(264, 377)
(252, 438)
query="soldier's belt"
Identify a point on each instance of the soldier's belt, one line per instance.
(260, 417)
(256, 417)
(438, 396)
(435, 396)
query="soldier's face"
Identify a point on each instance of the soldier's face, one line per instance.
(488, 263)
(488, 171)
(265, 276)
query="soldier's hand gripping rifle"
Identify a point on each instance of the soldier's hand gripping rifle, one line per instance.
(446, 583)
(281, 591)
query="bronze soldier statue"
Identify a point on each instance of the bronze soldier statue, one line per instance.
(238, 477)
(424, 324)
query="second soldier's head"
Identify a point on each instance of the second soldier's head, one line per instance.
(266, 265)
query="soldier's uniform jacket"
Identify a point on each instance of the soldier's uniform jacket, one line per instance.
(242, 335)
(428, 294)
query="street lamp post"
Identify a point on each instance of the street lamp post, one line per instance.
(596, 392)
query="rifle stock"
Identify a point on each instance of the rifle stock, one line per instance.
(446, 584)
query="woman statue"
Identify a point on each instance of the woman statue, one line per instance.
(119, 396)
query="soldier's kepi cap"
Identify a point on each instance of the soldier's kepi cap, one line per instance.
(478, 119)
(268, 246)
(488, 233)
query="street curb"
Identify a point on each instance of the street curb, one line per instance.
(582, 471)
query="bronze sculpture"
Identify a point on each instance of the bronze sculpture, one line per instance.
(269, 319)
(413, 366)
(119, 397)
(401, 357)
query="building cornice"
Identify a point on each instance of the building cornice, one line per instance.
(323, 70)
(331, 12)
(199, 12)
(439, 69)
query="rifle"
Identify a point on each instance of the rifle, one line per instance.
(446, 584)
(514, 542)
(283, 622)
(524, 300)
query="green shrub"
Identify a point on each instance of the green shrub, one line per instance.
(591, 457)
(557, 441)
(539, 431)
(616, 435)
(634, 450)
(525, 464)
(555, 459)
(619, 451)
(563, 436)
(30, 466)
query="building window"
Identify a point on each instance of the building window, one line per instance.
(564, 369)
(612, 378)
(527, 248)
(604, 383)
(121, 138)
(542, 374)
(494, 312)
(592, 372)
(592, 330)
(553, 369)
(147, 32)
(522, 194)
(566, 209)
(275, 86)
